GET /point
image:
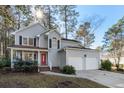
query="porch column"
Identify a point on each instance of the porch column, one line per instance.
(39, 60)
(12, 64)
(49, 61)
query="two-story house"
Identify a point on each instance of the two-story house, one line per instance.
(51, 50)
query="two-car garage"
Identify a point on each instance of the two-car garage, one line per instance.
(82, 59)
(81, 63)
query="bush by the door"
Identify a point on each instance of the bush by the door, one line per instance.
(106, 65)
(68, 69)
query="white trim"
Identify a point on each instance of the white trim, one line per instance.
(27, 41)
(80, 49)
(39, 60)
(23, 41)
(33, 41)
(53, 31)
(12, 65)
(28, 49)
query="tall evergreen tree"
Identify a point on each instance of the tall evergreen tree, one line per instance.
(49, 15)
(23, 15)
(7, 22)
(10, 21)
(114, 41)
(68, 15)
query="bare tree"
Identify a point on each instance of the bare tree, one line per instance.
(86, 30)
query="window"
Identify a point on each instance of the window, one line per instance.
(85, 55)
(25, 41)
(50, 43)
(28, 56)
(54, 38)
(31, 41)
(58, 44)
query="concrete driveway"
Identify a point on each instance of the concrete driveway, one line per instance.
(106, 78)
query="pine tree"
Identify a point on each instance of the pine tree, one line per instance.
(68, 15)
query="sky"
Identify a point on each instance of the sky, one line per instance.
(111, 13)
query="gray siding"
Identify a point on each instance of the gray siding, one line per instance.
(62, 58)
(29, 32)
(53, 56)
(43, 42)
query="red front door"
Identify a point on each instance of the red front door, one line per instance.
(43, 59)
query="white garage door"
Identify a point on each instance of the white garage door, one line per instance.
(76, 62)
(91, 63)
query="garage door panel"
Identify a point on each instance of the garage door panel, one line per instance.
(91, 63)
(76, 62)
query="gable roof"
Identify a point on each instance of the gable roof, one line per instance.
(31, 25)
(44, 32)
(70, 40)
(74, 47)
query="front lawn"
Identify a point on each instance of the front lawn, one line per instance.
(23, 80)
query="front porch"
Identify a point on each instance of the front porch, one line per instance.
(39, 55)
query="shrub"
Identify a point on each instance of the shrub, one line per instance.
(120, 69)
(106, 65)
(68, 69)
(5, 62)
(25, 66)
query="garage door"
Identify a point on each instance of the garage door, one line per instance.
(76, 62)
(91, 63)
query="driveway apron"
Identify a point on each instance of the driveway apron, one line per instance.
(110, 79)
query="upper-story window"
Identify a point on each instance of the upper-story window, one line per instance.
(28, 41)
(31, 40)
(25, 41)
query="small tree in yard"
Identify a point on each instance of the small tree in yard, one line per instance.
(114, 41)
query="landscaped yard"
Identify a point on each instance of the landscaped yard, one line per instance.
(23, 80)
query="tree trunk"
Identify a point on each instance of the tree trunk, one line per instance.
(19, 20)
(118, 63)
(1, 49)
(66, 33)
(49, 13)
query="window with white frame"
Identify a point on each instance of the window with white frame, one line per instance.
(31, 41)
(25, 41)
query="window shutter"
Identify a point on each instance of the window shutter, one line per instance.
(50, 43)
(34, 41)
(58, 44)
(20, 40)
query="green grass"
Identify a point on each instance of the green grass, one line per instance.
(21, 80)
